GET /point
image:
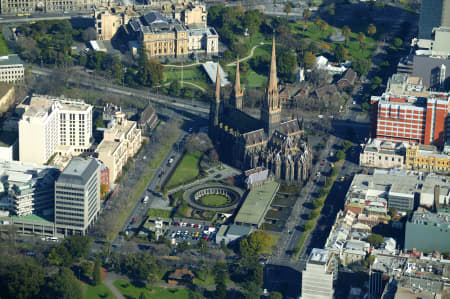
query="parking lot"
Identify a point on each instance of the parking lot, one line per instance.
(180, 231)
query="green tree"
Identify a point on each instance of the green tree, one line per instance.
(254, 244)
(287, 9)
(252, 290)
(375, 82)
(20, 279)
(346, 32)
(340, 155)
(317, 203)
(252, 21)
(346, 145)
(286, 65)
(323, 192)
(323, 26)
(79, 246)
(142, 296)
(371, 30)
(97, 275)
(275, 295)
(362, 66)
(86, 268)
(333, 171)
(332, 9)
(309, 225)
(361, 39)
(392, 211)
(175, 88)
(375, 240)
(365, 106)
(340, 52)
(398, 42)
(309, 60)
(306, 15)
(313, 214)
(219, 279)
(64, 285)
(59, 256)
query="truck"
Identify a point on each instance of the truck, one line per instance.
(145, 200)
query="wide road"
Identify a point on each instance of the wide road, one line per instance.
(99, 83)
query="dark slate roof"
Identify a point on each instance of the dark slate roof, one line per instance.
(423, 67)
(350, 77)
(238, 230)
(78, 171)
(154, 17)
(289, 127)
(10, 59)
(147, 114)
(255, 137)
(326, 90)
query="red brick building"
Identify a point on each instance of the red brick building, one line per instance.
(407, 118)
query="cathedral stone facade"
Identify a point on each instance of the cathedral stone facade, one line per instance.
(247, 142)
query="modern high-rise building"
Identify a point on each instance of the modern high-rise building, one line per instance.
(27, 188)
(318, 277)
(77, 196)
(430, 17)
(409, 118)
(425, 231)
(54, 125)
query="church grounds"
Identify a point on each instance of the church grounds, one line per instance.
(187, 170)
(214, 200)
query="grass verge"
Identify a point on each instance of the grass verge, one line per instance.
(131, 291)
(159, 213)
(97, 292)
(186, 171)
(4, 50)
(273, 242)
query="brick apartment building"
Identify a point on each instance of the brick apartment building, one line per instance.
(410, 118)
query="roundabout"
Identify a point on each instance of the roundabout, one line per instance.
(214, 197)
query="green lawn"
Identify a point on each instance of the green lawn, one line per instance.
(186, 171)
(193, 74)
(215, 200)
(131, 291)
(159, 213)
(101, 292)
(3, 46)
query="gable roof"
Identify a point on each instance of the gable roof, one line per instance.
(348, 79)
(255, 137)
(326, 90)
(289, 127)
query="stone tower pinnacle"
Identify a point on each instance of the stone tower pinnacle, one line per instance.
(237, 93)
(215, 108)
(271, 108)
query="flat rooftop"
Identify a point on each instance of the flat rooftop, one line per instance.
(34, 218)
(256, 204)
(10, 59)
(319, 256)
(78, 171)
(107, 147)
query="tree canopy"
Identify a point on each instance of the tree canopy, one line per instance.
(254, 244)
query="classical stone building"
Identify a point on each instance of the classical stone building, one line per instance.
(108, 20)
(31, 6)
(167, 37)
(247, 142)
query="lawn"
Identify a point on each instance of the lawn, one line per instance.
(3, 46)
(159, 213)
(101, 292)
(131, 291)
(215, 200)
(273, 242)
(193, 74)
(186, 171)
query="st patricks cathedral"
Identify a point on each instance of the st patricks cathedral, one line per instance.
(246, 142)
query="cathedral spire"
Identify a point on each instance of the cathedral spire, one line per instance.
(272, 88)
(218, 83)
(237, 93)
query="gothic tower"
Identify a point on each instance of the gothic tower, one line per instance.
(271, 106)
(237, 93)
(214, 108)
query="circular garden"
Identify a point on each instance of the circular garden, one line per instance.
(213, 197)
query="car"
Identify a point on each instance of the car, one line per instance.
(195, 225)
(342, 178)
(186, 233)
(177, 224)
(190, 130)
(173, 234)
(322, 164)
(188, 225)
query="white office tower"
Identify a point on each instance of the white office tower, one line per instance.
(318, 277)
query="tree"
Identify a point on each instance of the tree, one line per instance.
(361, 39)
(20, 279)
(86, 268)
(323, 26)
(175, 88)
(104, 190)
(334, 171)
(306, 15)
(398, 42)
(323, 192)
(317, 203)
(286, 65)
(219, 279)
(375, 240)
(254, 244)
(371, 30)
(252, 21)
(309, 60)
(340, 155)
(340, 52)
(346, 32)
(252, 290)
(309, 225)
(78, 246)
(59, 255)
(97, 275)
(362, 66)
(313, 214)
(346, 145)
(332, 9)
(287, 9)
(275, 295)
(64, 285)
(392, 211)
(142, 296)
